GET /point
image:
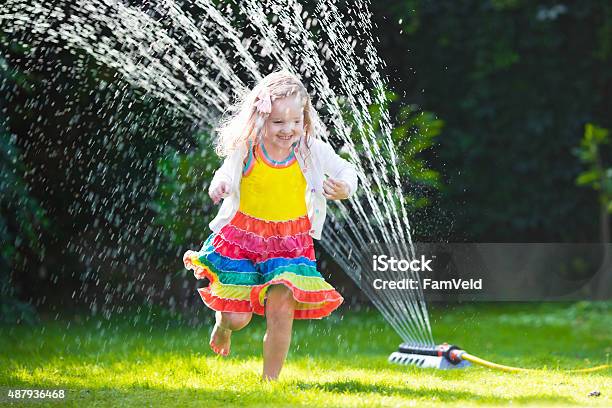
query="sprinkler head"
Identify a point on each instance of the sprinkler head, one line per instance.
(443, 356)
(449, 352)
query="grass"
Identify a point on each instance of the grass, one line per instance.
(339, 361)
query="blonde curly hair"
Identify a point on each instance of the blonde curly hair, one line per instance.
(243, 122)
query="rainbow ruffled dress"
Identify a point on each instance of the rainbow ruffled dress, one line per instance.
(266, 243)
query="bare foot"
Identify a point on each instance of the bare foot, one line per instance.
(220, 340)
(268, 378)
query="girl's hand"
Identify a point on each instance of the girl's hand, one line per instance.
(335, 189)
(221, 191)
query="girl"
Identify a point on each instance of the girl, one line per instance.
(260, 257)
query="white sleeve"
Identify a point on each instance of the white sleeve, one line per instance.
(338, 168)
(223, 173)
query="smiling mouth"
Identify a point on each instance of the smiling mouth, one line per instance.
(285, 137)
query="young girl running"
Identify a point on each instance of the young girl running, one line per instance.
(260, 257)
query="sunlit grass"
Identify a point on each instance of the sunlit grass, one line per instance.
(339, 361)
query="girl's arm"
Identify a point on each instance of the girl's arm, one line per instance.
(337, 168)
(223, 175)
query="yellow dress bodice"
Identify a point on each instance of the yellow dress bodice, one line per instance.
(272, 193)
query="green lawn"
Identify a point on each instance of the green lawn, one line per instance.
(339, 361)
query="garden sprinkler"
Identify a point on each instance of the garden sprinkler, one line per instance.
(446, 356)
(443, 356)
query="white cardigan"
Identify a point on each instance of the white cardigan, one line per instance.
(320, 161)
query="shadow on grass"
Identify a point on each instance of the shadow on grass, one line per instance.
(137, 395)
(438, 394)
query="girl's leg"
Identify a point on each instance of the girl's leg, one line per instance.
(226, 322)
(279, 322)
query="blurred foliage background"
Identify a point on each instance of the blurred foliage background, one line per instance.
(491, 101)
(515, 83)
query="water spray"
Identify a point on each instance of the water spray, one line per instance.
(447, 356)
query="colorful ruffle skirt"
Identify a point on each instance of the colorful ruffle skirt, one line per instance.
(248, 255)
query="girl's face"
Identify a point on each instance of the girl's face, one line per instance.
(285, 124)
